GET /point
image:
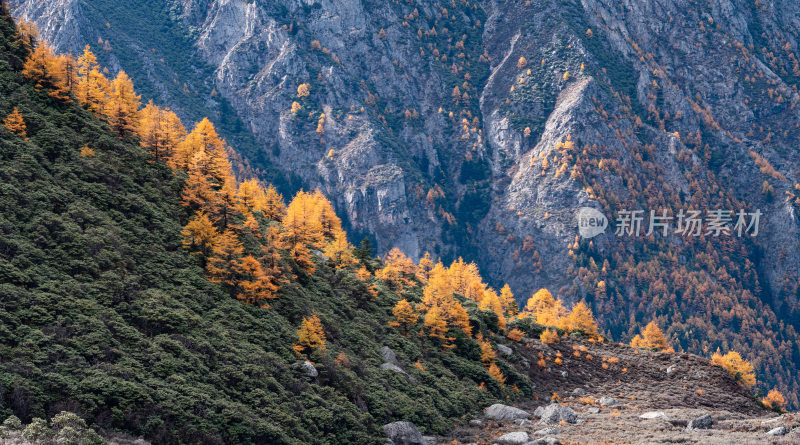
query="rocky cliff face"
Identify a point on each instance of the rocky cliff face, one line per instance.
(479, 128)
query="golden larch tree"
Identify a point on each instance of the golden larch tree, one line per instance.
(738, 367)
(160, 131)
(340, 251)
(302, 230)
(223, 264)
(122, 105)
(651, 338)
(437, 326)
(580, 318)
(257, 283)
(507, 300)
(487, 351)
(200, 235)
(310, 335)
(91, 88)
(404, 315)
(774, 400)
(16, 124)
(497, 374)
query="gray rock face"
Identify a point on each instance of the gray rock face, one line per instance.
(515, 438)
(703, 422)
(555, 413)
(403, 433)
(392, 367)
(388, 355)
(505, 350)
(779, 431)
(308, 368)
(504, 412)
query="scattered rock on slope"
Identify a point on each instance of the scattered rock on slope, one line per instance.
(403, 433)
(499, 411)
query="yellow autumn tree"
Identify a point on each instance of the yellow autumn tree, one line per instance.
(497, 374)
(424, 267)
(251, 196)
(340, 251)
(223, 264)
(122, 105)
(738, 367)
(200, 235)
(546, 310)
(404, 315)
(49, 71)
(491, 301)
(774, 400)
(204, 147)
(651, 338)
(257, 283)
(487, 351)
(160, 131)
(507, 300)
(91, 86)
(302, 229)
(303, 90)
(580, 318)
(437, 326)
(310, 335)
(16, 124)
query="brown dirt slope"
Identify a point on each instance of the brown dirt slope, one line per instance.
(683, 386)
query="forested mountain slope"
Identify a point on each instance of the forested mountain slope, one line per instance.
(452, 126)
(104, 312)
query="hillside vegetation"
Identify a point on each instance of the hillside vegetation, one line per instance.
(147, 289)
(104, 312)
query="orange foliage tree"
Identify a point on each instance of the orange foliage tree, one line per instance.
(16, 124)
(160, 131)
(122, 105)
(404, 314)
(736, 366)
(310, 335)
(774, 400)
(651, 338)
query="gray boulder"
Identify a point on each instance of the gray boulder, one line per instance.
(779, 431)
(308, 368)
(555, 413)
(392, 367)
(550, 430)
(499, 411)
(654, 415)
(388, 355)
(403, 433)
(515, 438)
(538, 412)
(545, 441)
(703, 422)
(608, 401)
(505, 350)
